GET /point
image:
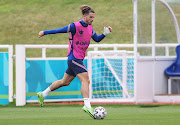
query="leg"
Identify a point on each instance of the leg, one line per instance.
(65, 81)
(169, 86)
(80, 71)
(84, 78)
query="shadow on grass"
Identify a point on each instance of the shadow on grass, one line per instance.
(149, 106)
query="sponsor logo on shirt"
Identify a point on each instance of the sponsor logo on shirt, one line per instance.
(82, 43)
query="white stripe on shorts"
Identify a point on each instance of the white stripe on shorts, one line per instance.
(79, 65)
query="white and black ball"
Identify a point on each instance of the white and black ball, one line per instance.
(100, 112)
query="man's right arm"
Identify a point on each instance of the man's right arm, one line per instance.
(66, 29)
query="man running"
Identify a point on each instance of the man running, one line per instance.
(80, 33)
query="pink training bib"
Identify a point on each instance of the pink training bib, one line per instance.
(80, 40)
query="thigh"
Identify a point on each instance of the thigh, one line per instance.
(83, 77)
(78, 67)
(67, 78)
(69, 71)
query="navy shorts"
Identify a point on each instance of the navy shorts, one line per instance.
(75, 67)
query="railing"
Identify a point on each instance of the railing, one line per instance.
(21, 63)
(96, 47)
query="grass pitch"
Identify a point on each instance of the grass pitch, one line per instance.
(73, 115)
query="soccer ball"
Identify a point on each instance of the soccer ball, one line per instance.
(100, 113)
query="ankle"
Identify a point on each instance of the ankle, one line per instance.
(87, 102)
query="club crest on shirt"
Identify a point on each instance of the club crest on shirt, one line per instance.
(81, 32)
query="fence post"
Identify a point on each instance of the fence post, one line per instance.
(20, 75)
(10, 51)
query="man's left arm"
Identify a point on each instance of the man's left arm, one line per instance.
(98, 38)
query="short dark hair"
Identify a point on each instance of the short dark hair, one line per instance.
(86, 10)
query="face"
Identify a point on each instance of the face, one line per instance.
(88, 19)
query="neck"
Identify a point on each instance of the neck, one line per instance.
(84, 21)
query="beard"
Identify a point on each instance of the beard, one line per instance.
(90, 23)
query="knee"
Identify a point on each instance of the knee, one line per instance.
(87, 81)
(65, 83)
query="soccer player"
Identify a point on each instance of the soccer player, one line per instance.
(80, 33)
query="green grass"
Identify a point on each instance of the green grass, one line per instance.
(73, 115)
(21, 20)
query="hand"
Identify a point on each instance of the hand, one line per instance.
(107, 30)
(110, 29)
(41, 33)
